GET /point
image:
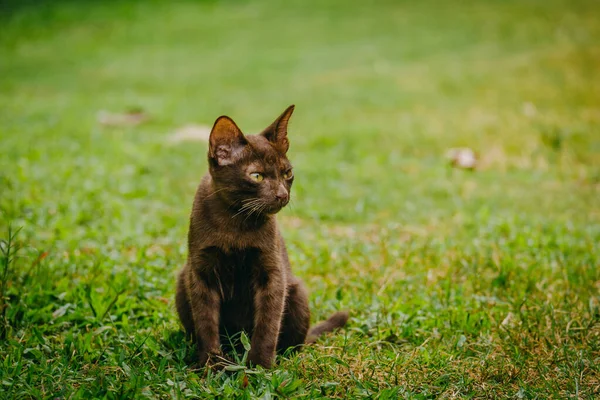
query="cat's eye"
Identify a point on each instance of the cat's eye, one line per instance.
(288, 174)
(256, 177)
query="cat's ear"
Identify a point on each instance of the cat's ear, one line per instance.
(276, 133)
(226, 141)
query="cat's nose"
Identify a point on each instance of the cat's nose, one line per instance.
(282, 194)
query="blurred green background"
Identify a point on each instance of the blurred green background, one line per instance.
(380, 223)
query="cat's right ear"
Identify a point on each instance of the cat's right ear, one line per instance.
(226, 141)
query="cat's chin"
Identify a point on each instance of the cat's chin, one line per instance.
(274, 209)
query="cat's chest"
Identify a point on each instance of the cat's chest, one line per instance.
(235, 271)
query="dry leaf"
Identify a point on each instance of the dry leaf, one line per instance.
(190, 132)
(529, 109)
(508, 321)
(462, 157)
(131, 117)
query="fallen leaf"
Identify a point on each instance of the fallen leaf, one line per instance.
(132, 117)
(40, 258)
(61, 311)
(190, 133)
(529, 109)
(462, 157)
(508, 321)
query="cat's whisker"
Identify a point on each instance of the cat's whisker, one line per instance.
(249, 204)
(260, 211)
(251, 199)
(260, 208)
(238, 213)
(254, 209)
(290, 205)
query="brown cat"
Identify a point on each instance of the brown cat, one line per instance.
(238, 276)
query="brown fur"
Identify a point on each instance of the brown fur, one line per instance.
(238, 276)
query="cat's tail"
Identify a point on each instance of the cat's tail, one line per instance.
(337, 320)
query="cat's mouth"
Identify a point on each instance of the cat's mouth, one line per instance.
(275, 208)
(254, 207)
(277, 205)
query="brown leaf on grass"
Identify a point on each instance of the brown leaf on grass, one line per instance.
(462, 157)
(40, 258)
(131, 117)
(190, 133)
(163, 300)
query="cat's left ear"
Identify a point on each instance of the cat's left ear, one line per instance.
(226, 141)
(276, 133)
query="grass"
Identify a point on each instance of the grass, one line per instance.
(461, 284)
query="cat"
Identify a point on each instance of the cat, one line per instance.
(238, 276)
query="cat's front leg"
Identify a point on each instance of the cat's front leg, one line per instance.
(269, 300)
(205, 305)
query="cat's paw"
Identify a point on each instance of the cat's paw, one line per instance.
(215, 361)
(265, 361)
(218, 361)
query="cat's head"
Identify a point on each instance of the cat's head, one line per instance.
(251, 173)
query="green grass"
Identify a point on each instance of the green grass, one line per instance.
(476, 284)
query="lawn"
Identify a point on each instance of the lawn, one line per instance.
(461, 284)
